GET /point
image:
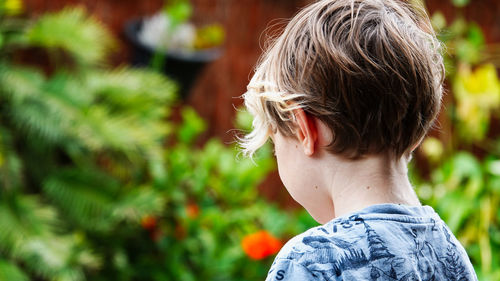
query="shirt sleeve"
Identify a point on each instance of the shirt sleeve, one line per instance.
(290, 270)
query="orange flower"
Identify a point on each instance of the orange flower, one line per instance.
(192, 210)
(148, 222)
(260, 244)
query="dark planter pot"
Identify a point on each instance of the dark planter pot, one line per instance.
(184, 67)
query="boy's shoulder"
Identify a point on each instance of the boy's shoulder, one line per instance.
(389, 241)
(328, 236)
(346, 232)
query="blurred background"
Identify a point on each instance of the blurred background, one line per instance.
(117, 129)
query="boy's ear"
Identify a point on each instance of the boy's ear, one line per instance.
(307, 131)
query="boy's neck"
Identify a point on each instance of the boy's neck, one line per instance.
(375, 179)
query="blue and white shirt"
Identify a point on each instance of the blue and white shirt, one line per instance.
(380, 242)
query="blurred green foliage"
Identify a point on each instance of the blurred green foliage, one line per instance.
(463, 184)
(97, 182)
(178, 11)
(76, 143)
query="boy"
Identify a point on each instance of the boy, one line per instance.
(346, 93)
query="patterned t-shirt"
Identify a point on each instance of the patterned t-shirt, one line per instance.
(380, 242)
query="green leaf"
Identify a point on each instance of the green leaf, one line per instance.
(178, 11)
(86, 197)
(191, 127)
(475, 35)
(74, 31)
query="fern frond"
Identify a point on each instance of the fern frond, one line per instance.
(138, 202)
(34, 110)
(69, 89)
(101, 130)
(23, 217)
(10, 164)
(132, 89)
(106, 112)
(86, 197)
(57, 258)
(28, 235)
(38, 121)
(18, 83)
(74, 31)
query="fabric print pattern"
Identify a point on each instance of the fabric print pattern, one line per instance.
(381, 242)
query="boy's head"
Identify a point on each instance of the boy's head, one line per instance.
(370, 70)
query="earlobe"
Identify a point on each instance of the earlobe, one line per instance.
(307, 132)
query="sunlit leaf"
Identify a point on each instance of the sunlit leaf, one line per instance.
(74, 31)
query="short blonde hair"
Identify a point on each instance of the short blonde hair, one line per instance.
(371, 70)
